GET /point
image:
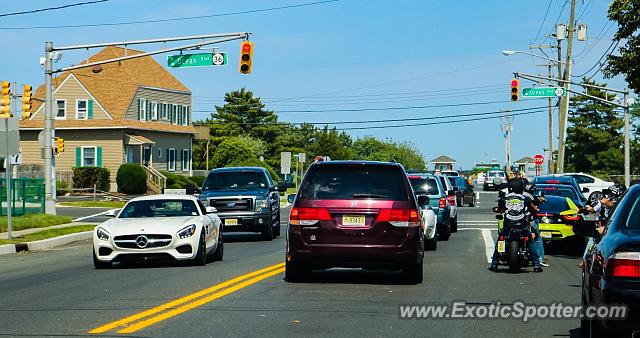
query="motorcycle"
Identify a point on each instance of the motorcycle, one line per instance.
(513, 244)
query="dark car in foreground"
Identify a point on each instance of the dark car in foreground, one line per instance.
(611, 274)
(246, 198)
(355, 214)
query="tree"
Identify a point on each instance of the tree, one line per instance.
(232, 151)
(328, 142)
(243, 114)
(626, 14)
(373, 149)
(594, 140)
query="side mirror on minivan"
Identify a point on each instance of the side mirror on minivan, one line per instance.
(291, 198)
(423, 200)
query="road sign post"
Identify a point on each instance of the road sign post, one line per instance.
(538, 160)
(543, 92)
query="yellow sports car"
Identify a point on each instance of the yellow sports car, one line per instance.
(557, 216)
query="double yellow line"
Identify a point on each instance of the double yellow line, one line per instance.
(171, 309)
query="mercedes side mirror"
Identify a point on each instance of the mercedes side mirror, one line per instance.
(211, 210)
(111, 213)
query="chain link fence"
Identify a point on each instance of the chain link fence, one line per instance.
(27, 196)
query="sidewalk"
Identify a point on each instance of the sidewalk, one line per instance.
(45, 243)
(4, 235)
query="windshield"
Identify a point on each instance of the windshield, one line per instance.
(349, 182)
(159, 208)
(558, 192)
(235, 180)
(424, 186)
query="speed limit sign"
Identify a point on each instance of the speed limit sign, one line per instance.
(219, 58)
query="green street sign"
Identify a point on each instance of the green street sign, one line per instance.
(197, 60)
(543, 92)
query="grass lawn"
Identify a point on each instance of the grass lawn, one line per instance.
(94, 204)
(33, 221)
(50, 233)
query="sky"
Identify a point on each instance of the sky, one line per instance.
(313, 60)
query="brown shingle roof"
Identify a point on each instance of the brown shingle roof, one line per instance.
(130, 124)
(443, 159)
(117, 83)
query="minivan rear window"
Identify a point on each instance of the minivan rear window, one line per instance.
(333, 182)
(424, 185)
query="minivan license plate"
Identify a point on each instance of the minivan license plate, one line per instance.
(353, 220)
(501, 246)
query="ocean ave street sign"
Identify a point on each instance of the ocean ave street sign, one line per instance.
(197, 60)
(543, 92)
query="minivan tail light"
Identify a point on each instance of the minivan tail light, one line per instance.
(442, 203)
(399, 217)
(309, 216)
(452, 200)
(624, 265)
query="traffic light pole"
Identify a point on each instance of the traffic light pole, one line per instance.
(49, 127)
(49, 165)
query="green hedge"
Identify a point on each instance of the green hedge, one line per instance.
(198, 180)
(86, 177)
(132, 179)
(61, 188)
(175, 181)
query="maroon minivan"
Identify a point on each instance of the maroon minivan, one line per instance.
(355, 214)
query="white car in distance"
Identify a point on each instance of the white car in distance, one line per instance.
(594, 184)
(177, 227)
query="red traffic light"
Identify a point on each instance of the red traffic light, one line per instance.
(246, 47)
(514, 83)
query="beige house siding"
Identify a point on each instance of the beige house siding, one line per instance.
(159, 96)
(163, 142)
(109, 140)
(71, 91)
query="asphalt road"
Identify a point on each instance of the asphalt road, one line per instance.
(58, 293)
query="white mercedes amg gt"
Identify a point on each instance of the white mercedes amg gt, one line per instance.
(176, 227)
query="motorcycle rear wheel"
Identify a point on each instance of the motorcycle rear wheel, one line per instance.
(514, 257)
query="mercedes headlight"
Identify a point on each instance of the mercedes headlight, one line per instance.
(261, 204)
(102, 234)
(187, 231)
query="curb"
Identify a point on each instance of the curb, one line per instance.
(45, 243)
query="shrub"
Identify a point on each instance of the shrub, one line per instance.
(87, 177)
(132, 179)
(198, 180)
(61, 188)
(175, 181)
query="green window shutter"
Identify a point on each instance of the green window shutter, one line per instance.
(139, 109)
(167, 159)
(99, 157)
(78, 157)
(148, 117)
(188, 115)
(90, 109)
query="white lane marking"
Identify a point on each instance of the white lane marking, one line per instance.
(488, 243)
(90, 216)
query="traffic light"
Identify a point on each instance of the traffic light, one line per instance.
(59, 146)
(515, 90)
(27, 100)
(246, 56)
(5, 100)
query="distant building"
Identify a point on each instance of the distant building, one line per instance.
(487, 166)
(521, 164)
(443, 162)
(132, 111)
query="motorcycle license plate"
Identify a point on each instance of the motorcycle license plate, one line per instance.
(546, 234)
(501, 246)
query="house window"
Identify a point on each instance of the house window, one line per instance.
(185, 160)
(159, 153)
(88, 156)
(154, 110)
(142, 109)
(81, 109)
(171, 159)
(185, 116)
(62, 109)
(163, 111)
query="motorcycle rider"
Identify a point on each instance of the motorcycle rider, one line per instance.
(515, 206)
(538, 245)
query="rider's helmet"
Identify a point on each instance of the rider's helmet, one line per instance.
(516, 185)
(615, 191)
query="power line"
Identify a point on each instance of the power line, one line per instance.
(543, 21)
(607, 52)
(53, 8)
(439, 122)
(392, 108)
(377, 121)
(173, 19)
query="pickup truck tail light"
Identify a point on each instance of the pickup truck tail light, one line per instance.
(624, 265)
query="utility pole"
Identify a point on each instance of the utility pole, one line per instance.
(627, 161)
(564, 104)
(551, 171)
(507, 127)
(49, 169)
